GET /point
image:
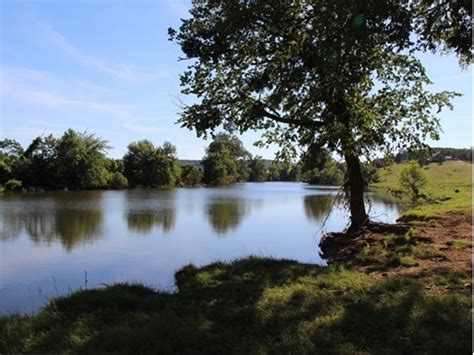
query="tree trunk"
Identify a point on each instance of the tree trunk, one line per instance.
(355, 189)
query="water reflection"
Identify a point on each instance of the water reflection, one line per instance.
(390, 205)
(317, 207)
(226, 213)
(71, 218)
(146, 209)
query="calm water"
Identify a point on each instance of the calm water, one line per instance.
(54, 242)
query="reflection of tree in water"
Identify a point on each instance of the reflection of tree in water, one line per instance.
(10, 225)
(388, 201)
(226, 214)
(149, 208)
(71, 218)
(145, 220)
(317, 207)
(74, 226)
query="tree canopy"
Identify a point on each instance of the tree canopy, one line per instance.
(222, 162)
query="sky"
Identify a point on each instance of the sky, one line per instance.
(107, 67)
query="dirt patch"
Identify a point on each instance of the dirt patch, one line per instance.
(418, 248)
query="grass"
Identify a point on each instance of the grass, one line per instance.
(251, 306)
(395, 250)
(461, 243)
(449, 187)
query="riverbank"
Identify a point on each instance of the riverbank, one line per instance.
(255, 306)
(402, 288)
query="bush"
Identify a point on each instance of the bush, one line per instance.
(13, 185)
(117, 181)
(191, 175)
(412, 180)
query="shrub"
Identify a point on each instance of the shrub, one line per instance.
(191, 175)
(117, 181)
(14, 185)
(413, 180)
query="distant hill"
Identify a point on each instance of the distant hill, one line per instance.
(191, 162)
(464, 154)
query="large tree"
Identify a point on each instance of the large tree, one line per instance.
(331, 73)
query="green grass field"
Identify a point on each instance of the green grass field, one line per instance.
(449, 186)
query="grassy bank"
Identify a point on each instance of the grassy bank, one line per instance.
(252, 306)
(449, 188)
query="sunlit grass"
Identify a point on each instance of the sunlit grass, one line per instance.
(448, 188)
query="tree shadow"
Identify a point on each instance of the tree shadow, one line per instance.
(252, 306)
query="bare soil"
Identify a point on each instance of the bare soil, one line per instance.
(443, 246)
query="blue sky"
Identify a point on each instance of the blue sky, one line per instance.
(106, 66)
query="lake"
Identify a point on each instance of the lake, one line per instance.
(55, 242)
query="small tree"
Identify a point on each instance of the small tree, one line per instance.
(413, 180)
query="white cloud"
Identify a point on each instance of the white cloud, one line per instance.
(122, 72)
(42, 89)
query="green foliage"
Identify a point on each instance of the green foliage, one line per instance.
(251, 306)
(225, 161)
(319, 168)
(273, 171)
(358, 93)
(284, 171)
(191, 175)
(331, 174)
(444, 26)
(41, 164)
(145, 165)
(80, 160)
(370, 173)
(115, 165)
(11, 155)
(13, 185)
(220, 169)
(413, 180)
(117, 181)
(258, 171)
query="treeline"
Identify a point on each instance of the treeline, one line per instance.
(464, 154)
(78, 161)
